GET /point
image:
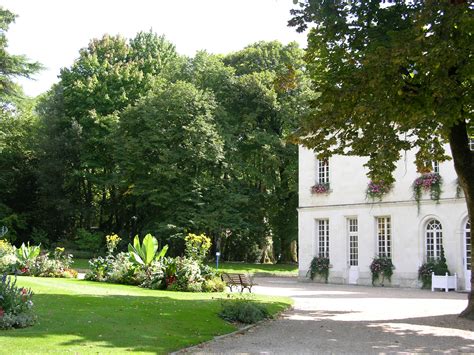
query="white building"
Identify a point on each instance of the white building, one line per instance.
(353, 230)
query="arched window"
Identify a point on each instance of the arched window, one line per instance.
(434, 239)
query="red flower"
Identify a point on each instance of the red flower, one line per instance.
(24, 291)
(2, 312)
(23, 270)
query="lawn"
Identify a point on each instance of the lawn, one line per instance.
(260, 269)
(87, 317)
(253, 269)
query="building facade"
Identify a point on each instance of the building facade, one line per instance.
(337, 220)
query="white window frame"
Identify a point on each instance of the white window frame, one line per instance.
(433, 239)
(384, 236)
(322, 237)
(353, 238)
(435, 165)
(468, 256)
(322, 171)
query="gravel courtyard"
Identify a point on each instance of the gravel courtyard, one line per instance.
(354, 319)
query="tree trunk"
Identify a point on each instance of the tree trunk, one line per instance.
(463, 159)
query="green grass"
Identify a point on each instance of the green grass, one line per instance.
(87, 317)
(259, 269)
(80, 264)
(253, 269)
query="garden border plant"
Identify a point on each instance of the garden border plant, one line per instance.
(320, 265)
(381, 267)
(16, 305)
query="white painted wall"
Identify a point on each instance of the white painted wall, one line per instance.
(347, 199)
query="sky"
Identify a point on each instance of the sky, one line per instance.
(53, 31)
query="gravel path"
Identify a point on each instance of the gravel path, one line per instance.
(354, 319)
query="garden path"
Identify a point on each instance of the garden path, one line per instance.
(353, 319)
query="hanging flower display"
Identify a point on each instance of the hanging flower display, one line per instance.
(320, 188)
(427, 182)
(376, 189)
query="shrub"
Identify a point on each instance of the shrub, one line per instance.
(243, 310)
(381, 266)
(319, 266)
(197, 246)
(214, 284)
(87, 241)
(121, 270)
(16, 306)
(187, 276)
(438, 266)
(8, 258)
(154, 276)
(99, 268)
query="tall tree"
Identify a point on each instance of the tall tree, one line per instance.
(392, 78)
(12, 66)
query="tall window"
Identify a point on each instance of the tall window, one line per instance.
(435, 164)
(384, 236)
(353, 230)
(322, 171)
(322, 230)
(434, 239)
(468, 246)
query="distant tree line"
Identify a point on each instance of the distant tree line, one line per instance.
(136, 139)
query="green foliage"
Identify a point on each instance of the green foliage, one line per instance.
(381, 268)
(437, 265)
(16, 306)
(147, 252)
(12, 66)
(377, 189)
(197, 246)
(88, 241)
(187, 276)
(214, 284)
(27, 254)
(243, 310)
(319, 266)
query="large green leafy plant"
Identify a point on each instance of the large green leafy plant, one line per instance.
(146, 252)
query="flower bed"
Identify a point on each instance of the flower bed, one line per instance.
(16, 306)
(146, 266)
(32, 261)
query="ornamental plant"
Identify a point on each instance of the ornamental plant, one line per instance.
(146, 252)
(319, 266)
(197, 246)
(436, 265)
(428, 182)
(112, 241)
(376, 189)
(16, 306)
(320, 188)
(381, 268)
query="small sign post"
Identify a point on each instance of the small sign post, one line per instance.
(217, 260)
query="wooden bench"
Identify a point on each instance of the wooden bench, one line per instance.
(237, 280)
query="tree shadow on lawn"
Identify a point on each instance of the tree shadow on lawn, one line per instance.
(126, 323)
